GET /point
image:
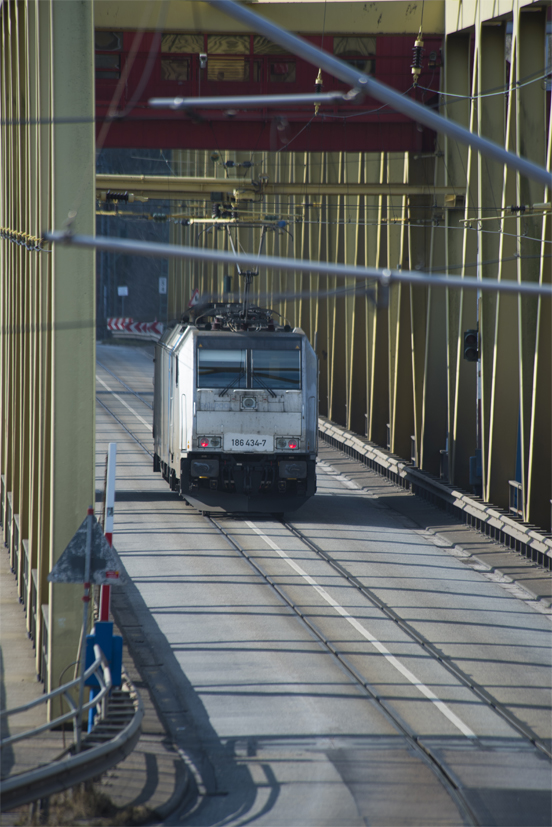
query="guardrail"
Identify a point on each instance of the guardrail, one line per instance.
(113, 737)
(500, 525)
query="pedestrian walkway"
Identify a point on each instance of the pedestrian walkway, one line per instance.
(148, 784)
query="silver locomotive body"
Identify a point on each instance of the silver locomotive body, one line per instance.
(235, 418)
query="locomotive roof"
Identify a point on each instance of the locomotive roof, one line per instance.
(175, 338)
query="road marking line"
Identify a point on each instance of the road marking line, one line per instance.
(421, 687)
(116, 395)
(332, 472)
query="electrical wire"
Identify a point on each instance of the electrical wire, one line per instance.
(285, 146)
(349, 221)
(502, 90)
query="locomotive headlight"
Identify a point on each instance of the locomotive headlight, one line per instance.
(209, 441)
(287, 443)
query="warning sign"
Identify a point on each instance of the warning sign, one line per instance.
(105, 566)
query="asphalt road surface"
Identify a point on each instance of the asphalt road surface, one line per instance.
(344, 667)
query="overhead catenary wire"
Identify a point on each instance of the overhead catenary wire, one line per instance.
(139, 217)
(502, 90)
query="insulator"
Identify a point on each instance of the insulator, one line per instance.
(116, 196)
(159, 216)
(417, 52)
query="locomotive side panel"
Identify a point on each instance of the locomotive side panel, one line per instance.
(160, 413)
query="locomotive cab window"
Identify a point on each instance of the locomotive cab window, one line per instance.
(251, 368)
(219, 368)
(276, 369)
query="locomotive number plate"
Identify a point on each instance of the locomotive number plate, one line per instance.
(248, 442)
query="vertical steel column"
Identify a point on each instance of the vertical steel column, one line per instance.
(420, 171)
(491, 123)
(531, 141)
(377, 355)
(336, 327)
(401, 420)
(503, 375)
(431, 439)
(356, 314)
(461, 382)
(73, 305)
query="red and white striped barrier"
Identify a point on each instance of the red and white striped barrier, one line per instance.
(118, 323)
(124, 326)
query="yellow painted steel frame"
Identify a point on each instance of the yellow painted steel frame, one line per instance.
(47, 310)
(397, 373)
(350, 16)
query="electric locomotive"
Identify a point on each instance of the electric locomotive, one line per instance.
(235, 422)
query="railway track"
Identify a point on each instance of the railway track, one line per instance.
(233, 528)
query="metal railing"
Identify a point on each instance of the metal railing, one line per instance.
(114, 735)
(515, 502)
(102, 673)
(503, 526)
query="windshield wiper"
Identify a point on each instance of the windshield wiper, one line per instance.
(262, 384)
(233, 382)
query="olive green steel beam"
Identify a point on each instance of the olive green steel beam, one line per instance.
(401, 420)
(335, 16)
(505, 369)
(460, 433)
(491, 122)
(47, 307)
(530, 138)
(179, 187)
(73, 300)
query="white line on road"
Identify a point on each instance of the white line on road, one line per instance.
(421, 687)
(116, 395)
(332, 472)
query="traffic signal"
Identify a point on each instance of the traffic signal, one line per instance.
(471, 345)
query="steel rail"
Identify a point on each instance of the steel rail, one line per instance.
(129, 432)
(440, 771)
(380, 91)
(129, 389)
(385, 277)
(423, 641)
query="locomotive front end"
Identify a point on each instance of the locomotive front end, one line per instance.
(252, 445)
